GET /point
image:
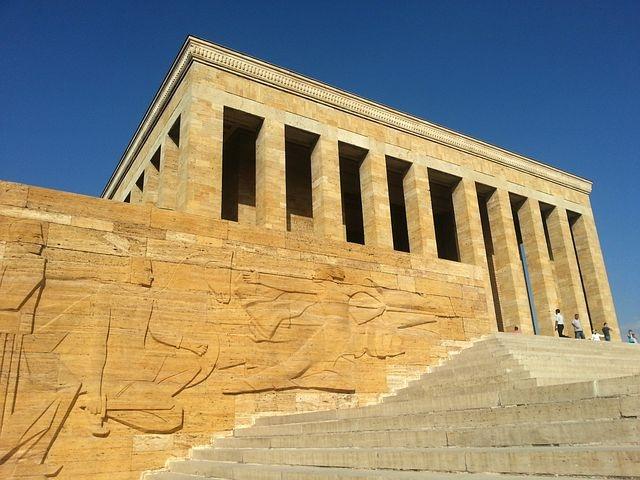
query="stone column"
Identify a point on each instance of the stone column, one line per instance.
(151, 184)
(325, 187)
(135, 195)
(512, 290)
(471, 238)
(417, 199)
(151, 181)
(568, 283)
(376, 211)
(271, 185)
(200, 154)
(543, 287)
(168, 187)
(468, 224)
(594, 275)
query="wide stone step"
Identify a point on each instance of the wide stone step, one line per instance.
(167, 475)
(547, 394)
(577, 359)
(578, 350)
(546, 375)
(621, 461)
(565, 432)
(479, 378)
(248, 471)
(426, 405)
(420, 391)
(460, 367)
(589, 409)
(566, 345)
(621, 386)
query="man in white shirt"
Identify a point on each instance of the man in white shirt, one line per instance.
(595, 336)
(560, 323)
(577, 327)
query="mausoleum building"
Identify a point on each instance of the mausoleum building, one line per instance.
(234, 138)
(269, 244)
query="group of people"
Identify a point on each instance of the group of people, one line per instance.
(578, 331)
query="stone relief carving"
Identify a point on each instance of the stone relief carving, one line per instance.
(168, 361)
(33, 404)
(116, 351)
(350, 322)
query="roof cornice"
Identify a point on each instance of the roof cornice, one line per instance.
(195, 49)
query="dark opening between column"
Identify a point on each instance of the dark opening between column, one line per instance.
(140, 182)
(396, 171)
(441, 186)
(545, 210)
(484, 192)
(351, 158)
(239, 166)
(155, 160)
(298, 147)
(174, 132)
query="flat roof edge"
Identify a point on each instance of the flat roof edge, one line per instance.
(195, 49)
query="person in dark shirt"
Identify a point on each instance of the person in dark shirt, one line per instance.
(606, 330)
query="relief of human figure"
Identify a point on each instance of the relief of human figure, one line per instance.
(149, 404)
(76, 358)
(34, 404)
(162, 364)
(348, 321)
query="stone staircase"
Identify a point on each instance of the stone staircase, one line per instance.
(510, 404)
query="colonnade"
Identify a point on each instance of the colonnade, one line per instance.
(563, 258)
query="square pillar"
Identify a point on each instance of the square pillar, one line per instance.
(512, 290)
(417, 199)
(200, 154)
(545, 298)
(594, 275)
(470, 236)
(168, 185)
(151, 184)
(325, 187)
(468, 224)
(271, 185)
(568, 283)
(376, 211)
(135, 195)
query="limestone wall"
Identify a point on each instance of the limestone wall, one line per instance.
(130, 332)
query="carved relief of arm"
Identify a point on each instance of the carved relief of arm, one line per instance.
(285, 285)
(175, 341)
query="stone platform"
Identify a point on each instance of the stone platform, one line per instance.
(509, 404)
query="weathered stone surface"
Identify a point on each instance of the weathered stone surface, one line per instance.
(161, 325)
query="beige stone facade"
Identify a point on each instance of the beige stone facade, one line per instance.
(267, 243)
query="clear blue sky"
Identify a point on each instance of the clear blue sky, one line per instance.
(558, 81)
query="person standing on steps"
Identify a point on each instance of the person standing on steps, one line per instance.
(577, 327)
(631, 337)
(560, 323)
(606, 330)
